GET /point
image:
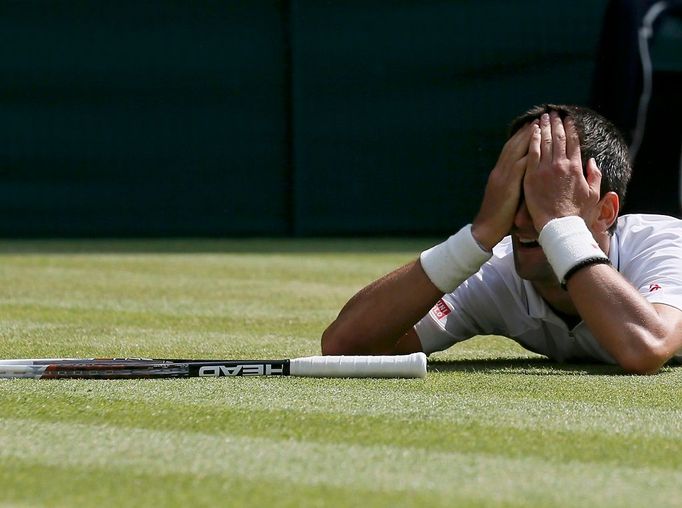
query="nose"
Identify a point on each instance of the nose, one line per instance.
(522, 220)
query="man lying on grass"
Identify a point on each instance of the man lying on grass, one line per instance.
(547, 261)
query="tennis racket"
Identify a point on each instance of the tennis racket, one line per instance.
(401, 366)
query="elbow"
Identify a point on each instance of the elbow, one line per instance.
(341, 339)
(328, 343)
(334, 343)
(646, 360)
(640, 367)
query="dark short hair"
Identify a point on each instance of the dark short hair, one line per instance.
(599, 139)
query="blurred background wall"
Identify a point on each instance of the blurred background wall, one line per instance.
(277, 118)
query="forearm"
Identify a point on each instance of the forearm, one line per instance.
(632, 330)
(375, 319)
(626, 325)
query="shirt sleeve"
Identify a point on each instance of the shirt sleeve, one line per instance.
(651, 259)
(472, 309)
(444, 325)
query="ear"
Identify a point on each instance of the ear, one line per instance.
(606, 211)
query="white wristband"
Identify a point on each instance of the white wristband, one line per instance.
(450, 263)
(568, 245)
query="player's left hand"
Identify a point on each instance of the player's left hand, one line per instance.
(554, 185)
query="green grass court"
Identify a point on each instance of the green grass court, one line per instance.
(491, 425)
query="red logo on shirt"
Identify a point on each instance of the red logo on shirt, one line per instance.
(654, 287)
(441, 309)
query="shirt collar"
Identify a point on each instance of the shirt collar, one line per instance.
(614, 253)
(538, 308)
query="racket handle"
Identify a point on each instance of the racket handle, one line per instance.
(407, 366)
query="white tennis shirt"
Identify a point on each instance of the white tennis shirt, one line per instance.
(645, 249)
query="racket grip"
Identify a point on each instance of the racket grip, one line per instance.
(403, 366)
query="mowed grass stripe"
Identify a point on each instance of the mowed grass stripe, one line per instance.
(18, 339)
(232, 323)
(369, 413)
(74, 486)
(409, 399)
(477, 437)
(197, 274)
(214, 292)
(372, 468)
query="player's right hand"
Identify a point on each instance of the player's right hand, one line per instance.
(503, 191)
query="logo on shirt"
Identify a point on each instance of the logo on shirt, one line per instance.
(441, 309)
(654, 287)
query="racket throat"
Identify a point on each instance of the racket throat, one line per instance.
(246, 368)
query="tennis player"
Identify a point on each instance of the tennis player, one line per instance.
(546, 261)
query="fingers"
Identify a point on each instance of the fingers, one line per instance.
(572, 140)
(518, 144)
(545, 139)
(554, 185)
(558, 137)
(593, 177)
(559, 140)
(534, 148)
(502, 193)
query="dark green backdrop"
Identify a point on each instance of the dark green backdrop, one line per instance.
(261, 117)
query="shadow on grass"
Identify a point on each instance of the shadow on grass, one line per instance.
(527, 366)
